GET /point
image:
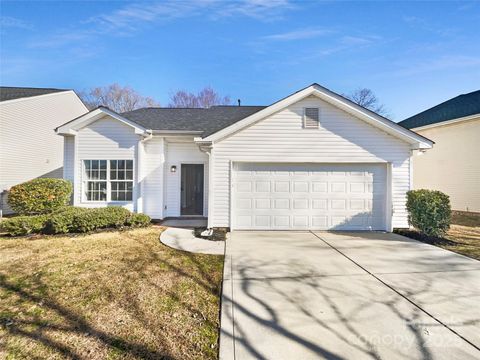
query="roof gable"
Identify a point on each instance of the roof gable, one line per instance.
(71, 127)
(417, 141)
(459, 107)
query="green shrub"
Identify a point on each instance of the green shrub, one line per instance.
(61, 222)
(100, 218)
(23, 225)
(39, 196)
(74, 220)
(429, 211)
(138, 220)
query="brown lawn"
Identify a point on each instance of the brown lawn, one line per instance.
(465, 234)
(111, 295)
(462, 238)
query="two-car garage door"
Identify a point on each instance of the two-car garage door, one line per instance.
(309, 196)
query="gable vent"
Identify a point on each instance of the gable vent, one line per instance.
(310, 118)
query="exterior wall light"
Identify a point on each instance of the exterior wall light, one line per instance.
(173, 168)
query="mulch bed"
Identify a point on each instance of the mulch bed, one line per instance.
(433, 240)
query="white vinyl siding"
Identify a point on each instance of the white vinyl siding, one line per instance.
(68, 157)
(281, 137)
(107, 139)
(452, 166)
(177, 153)
(154, 173)
(29, 147)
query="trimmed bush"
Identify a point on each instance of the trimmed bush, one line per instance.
(429, 211)
(93, 219)
(62, 221)
(74, 220)
(23, 225)
(39, 196)
(138, 220)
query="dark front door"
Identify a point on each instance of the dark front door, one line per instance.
(192, 189)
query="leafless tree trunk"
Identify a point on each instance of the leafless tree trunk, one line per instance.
(116, 98)
(205, 98)
(366, 98)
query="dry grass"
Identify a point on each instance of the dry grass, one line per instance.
(465, 233)
(112, 295)
(466, 240)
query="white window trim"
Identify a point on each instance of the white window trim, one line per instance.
(84, 180)
(305, 118)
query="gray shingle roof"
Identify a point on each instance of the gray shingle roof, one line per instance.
(458, 107)
(208, 120)
(12, 93)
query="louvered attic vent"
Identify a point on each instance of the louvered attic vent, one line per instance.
(310, 118)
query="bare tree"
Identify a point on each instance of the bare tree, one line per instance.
(205, 98)
(116, 97)
(366, 98)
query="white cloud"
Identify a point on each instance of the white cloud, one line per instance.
(11, 22)
(300, 34)
(440, 64)
(131, 18)
(265, 10)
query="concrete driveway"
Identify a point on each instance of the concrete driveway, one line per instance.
(310, 295)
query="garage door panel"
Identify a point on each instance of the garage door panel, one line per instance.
(309, 196)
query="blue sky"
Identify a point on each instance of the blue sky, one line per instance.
(413, 55)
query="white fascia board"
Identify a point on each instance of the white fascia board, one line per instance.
(417, 141)
(71, 127)
(447, 122)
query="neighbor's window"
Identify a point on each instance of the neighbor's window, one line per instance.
(311, 118)
(108, 180)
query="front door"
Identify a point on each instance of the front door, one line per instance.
(191, 189)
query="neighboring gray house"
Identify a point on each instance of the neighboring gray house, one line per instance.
(29, 147)
(313, 160)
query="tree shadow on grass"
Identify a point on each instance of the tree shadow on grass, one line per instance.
(74, 323)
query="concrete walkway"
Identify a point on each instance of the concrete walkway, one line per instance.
(305, 295)
(184, 239)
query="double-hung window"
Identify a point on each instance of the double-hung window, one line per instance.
(121, 180)
(108, 180)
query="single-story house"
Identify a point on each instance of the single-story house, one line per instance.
(453, 166)
(312, 160)
(29, 148)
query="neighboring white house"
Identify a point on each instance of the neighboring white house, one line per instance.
(29, 147)
(313, 160)
(453, 166)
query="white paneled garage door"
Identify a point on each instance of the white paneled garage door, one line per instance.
(309, 196)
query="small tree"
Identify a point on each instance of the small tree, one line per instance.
(205, 98)
(115, 97)
(366, 98)
(429, 211)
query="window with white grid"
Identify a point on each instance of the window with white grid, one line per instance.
(108, 180)
(121, 179)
